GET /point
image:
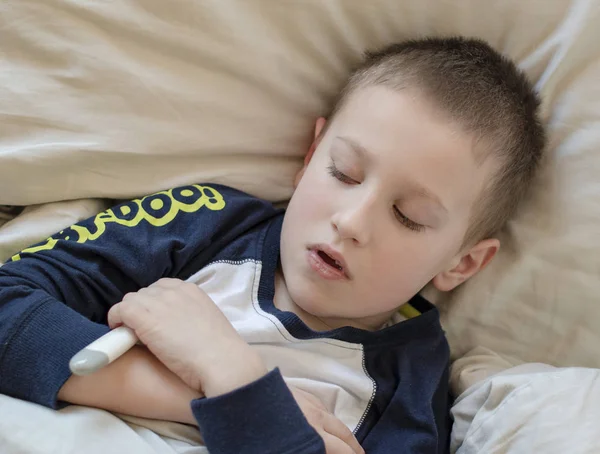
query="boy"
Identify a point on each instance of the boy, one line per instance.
(427, 153)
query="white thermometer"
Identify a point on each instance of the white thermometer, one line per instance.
(103, 351)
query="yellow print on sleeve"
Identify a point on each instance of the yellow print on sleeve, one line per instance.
(157, 209)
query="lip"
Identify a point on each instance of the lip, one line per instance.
(324, 269)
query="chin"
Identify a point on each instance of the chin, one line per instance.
(309, 305)
(309, 296)
(308, 302)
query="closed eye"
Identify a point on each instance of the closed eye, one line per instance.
(407, 222)
(335, 172)
(404, 220)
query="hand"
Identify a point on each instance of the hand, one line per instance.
(337, 437)
(187, 332)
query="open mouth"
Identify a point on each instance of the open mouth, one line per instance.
(327, 262)
(330, 261)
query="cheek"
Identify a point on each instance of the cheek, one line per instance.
(406, 266)
(313, 196)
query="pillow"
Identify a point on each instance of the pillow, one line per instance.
(121, 99)
(538, 300)
(476, 366)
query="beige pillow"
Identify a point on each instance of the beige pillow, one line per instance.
(122, 98)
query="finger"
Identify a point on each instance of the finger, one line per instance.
(338, 429)
(333, 445)
(311, 398)
(151, 291)
(131, 311)
(114, 316)
(167, 282)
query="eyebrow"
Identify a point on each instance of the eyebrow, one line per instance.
(355, 146)
(415, 187)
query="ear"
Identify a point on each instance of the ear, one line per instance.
(467, 264)
(319, 125)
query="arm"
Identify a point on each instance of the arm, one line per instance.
(54, 297)
(246, 408)
(135, 384)
(263, 415)
(259, 418)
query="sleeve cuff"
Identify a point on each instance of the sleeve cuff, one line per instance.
(39, 354)
(261, 417)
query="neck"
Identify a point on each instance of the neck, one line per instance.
(284, 302)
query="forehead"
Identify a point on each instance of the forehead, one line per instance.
(409, 141)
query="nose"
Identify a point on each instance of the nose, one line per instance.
(354, 221)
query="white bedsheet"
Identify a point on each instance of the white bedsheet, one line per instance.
(27, 428)
(532, 408)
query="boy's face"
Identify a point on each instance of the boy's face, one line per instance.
(388, 192)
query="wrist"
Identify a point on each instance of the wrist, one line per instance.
(238, 369)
